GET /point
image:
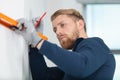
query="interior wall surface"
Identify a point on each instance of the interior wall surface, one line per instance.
(14, 63)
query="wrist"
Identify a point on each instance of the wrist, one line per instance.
(39, 44)
(35, 39)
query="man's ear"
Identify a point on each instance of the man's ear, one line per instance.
(80, 24)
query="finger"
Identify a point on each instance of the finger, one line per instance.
(21, 23)
(35, 20)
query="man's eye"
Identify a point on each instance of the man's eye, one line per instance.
(54, 29)
(62, 25)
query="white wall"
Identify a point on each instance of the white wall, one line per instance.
(14, 63)
(13, 8)
(34, 8)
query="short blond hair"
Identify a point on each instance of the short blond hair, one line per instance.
(70, 12)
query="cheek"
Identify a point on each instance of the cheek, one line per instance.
(74, 33)
(72, 29)
(69, 31)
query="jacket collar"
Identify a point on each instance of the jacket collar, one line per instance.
(76, 43)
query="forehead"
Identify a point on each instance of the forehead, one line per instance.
(61, 18)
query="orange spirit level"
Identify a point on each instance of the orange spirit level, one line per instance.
(7, 21)
(12, 24)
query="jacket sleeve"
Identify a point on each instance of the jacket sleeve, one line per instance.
(39, 69)
(81, 63)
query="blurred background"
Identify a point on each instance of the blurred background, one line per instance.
(101, 16)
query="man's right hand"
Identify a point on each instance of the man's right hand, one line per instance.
(27, 30)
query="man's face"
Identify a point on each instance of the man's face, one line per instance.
(67, 30)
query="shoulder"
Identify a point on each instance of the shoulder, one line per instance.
(93, 40)
(94, 44)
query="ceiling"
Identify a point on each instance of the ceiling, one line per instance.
(99, 1)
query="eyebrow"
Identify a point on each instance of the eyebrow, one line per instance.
(60, 22)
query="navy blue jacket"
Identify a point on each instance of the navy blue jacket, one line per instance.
(90, 59)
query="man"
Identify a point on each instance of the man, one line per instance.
(90, 58)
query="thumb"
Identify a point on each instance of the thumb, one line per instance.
(40, 27)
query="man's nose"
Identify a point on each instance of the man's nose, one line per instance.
(58, 31)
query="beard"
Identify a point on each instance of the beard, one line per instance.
(69, 40)
(67, 43)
